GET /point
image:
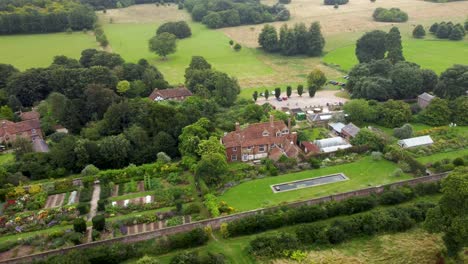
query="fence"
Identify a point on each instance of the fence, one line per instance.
(216, 222)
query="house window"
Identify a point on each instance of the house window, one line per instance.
(234, 149)
(278, 134)
(286, 131)
(234, 157)
(245, 157)
(261, 148)
(249, 147)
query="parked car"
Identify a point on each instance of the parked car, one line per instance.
(285, 98)
(279, 99)
(343, 84)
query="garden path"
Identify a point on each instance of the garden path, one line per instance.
(94, 201)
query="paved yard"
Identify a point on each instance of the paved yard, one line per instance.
(321, 98)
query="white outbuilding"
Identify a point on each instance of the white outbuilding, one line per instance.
(416, 142)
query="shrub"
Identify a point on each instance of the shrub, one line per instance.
(90, 170)
(314, 163)
(180, 28)
(196, 237)
(397, 172)
(83, 208)
(99, 222)
(458, 162)
(146, 259)
(102, 204)
(163, 157)
(237, 47)
(396, 196)
(75, 238)
(192, 208)
(95, 235)
(231, 42)
(389, 15)
(335, 235)
(79, 225)
(406, 131)
(333, 2)
(419, 31)
(376, 155)
(273, 245)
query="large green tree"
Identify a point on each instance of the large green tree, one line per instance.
(211, 168)
(437, 113)
(163, 44)
(450, 216)
(393, 45)
(453, 82)
(371, 46)
(268, 38)
(393, 113)
(315, 80)
(315, 40)
(358, 111)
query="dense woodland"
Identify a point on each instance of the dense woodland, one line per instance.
(29, 16)
(109, 127)
(226, 13)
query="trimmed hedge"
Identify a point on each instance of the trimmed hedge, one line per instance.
(395, 219)
(306, 214)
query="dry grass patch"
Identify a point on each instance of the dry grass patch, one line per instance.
(356, 16)
(141, 14)
(413, 247)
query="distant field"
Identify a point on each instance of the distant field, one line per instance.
(131, 41)
(437, 55)
(363, 173)
(38, 50)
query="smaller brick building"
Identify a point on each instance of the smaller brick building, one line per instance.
(261, 140)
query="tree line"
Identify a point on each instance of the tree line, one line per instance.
(227, 13)
(29, 16)
(293, 41)
(448, 30)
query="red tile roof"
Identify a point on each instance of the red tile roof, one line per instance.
(8, 127)
(29, 115)
(167, 94)
(253, 135)
(310, 146)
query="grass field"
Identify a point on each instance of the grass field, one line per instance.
(361, 174)
(446, 155)
(437, 55)
(6, 158)
(131, 41)
(38, 50)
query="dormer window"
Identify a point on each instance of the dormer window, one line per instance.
(278, 134)
(265, 133)
(286, 131)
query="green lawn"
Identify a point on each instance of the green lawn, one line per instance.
(131, 41)
(38, 50)
(361, 174)
(6, 158)
(433, 54)
(445, 155)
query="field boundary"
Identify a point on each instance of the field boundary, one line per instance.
(216, 222)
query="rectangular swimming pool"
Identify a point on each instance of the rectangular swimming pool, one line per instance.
(295, 185)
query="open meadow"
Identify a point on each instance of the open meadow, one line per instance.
(362, 173)
(437, 55)
(38, 50)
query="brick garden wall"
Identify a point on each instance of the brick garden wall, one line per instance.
(216, 222)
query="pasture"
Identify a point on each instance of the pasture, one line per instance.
(129, 29)
(437, 55)
(38, 50)
(362, 173)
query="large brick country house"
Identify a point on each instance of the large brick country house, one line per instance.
(29, 128)
(257, 141)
